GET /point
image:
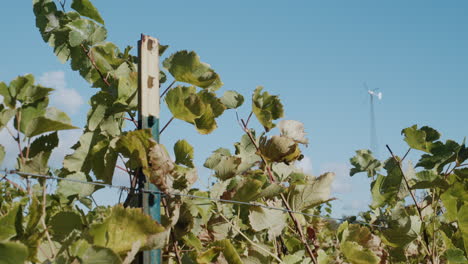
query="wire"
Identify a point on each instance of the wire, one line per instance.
(125, 188)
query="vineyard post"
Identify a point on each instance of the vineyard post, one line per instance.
(148, 117)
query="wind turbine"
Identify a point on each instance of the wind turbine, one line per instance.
(373, 93)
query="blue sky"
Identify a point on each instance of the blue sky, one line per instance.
(315, 54)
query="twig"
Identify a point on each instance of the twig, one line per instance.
(167, 89)
(43, 220)
(123, 169)
(11, 133)
(12, 183)
(247, 238)
(248, 119)
(63, 4)
(418, 208)
(165, 126)
(133, 120)
(406, 154)
(88, 54)
(18, 138)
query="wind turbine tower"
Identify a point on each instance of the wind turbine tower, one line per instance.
(373, 93)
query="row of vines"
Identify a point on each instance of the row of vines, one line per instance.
(418, 214)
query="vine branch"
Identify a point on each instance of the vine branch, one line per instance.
(165, 126)
(88, 54)
(167, 89)
(418, 208)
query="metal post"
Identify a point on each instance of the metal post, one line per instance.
(148, 117)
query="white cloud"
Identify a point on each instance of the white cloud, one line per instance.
(342, 182)
(305, 164)
(355, 206)
(63, 97)
(11, 148)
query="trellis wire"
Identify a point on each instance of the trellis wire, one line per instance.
(128, 189)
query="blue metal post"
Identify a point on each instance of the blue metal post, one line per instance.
(148, 117)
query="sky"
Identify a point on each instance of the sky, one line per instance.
(316, 55)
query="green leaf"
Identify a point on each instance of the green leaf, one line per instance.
(279, 149)
(388, 188)
(323, 258)
(455, 256)
(34, 216)
(37, 164)
(104, 159)
(249, 190)
(7, 222)
(8, 99)
(29, 93)
(462, 173)
(30, 112)
(87, 9)
(247, 151)
(5, 116)
(206, 123)
(20, 87)
(184, 103)
(364, 161)
(272, 220)
(429, 179)
(136, 145)
(463, 223)
(402, 229)
(191, 240)
(357, 254)
(53, 120)
(379, 198)
(314, 192)
(232, 99)
(294, 130)
(357, 243)
(85, 31)
(225, 167)
(124, 226)
(63, 223)
(44, 143)
(184, 153)
(266, 108)
(13, 253)
(100, 255)
(229, 251)
(79, 160)
(452, 198)
(186, 67)
(421, 139)
(2, 154)
(70, 188)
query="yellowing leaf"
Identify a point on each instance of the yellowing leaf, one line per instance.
(294, 130)
(272, 220)
(232, 99)
(279, 149)
(124, 226)
(186, 67)
(266, 108)
(314, 192)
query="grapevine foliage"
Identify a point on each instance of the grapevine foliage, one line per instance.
(417, 215)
